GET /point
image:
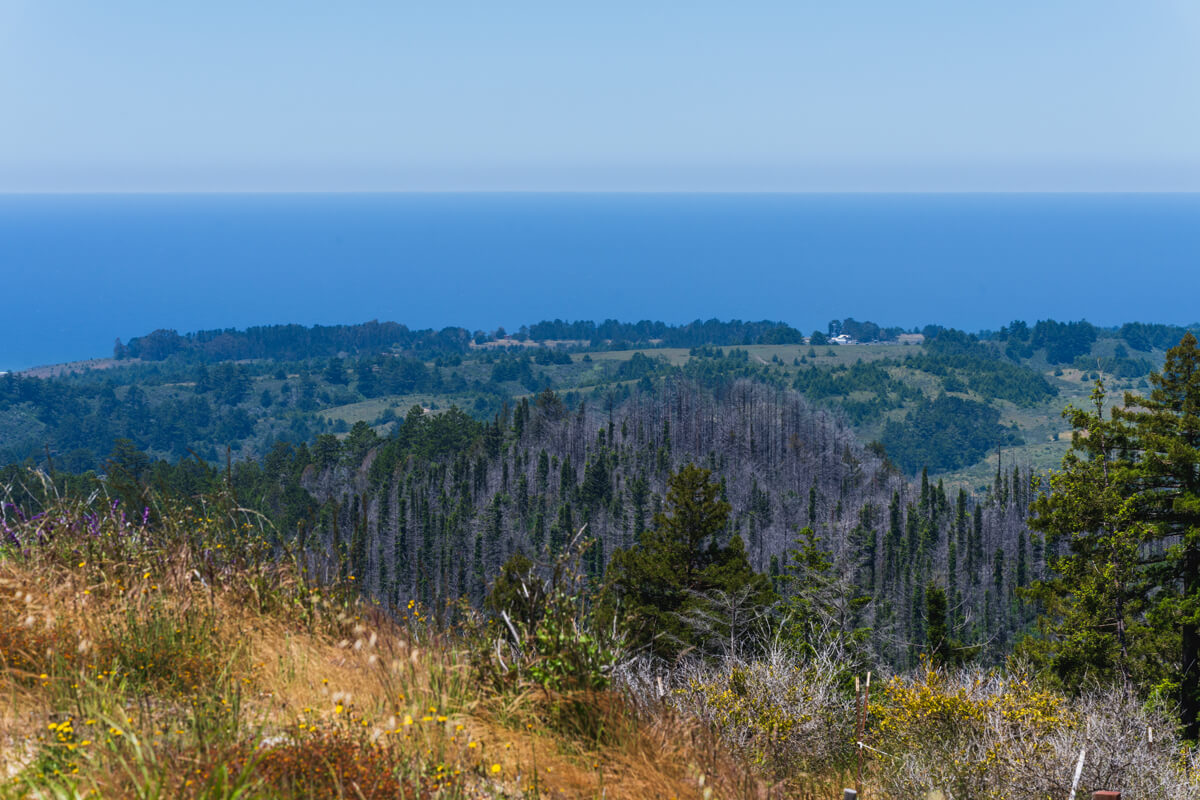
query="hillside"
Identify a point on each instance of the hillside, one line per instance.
(180, 653)
(174, 396)
(186, 660)
(433, 512)
(365, 455)
(669, 583)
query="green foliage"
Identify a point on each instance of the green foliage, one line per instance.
(567, 656)
(518, 591)
(943, 648)
(549, 628)
(819, 606)
(1117, 366)
(711, 332)
(1063, 341)
(676, 561)
(1146, 337)
(960, 357)
(427, 436)
(821, 384)
(944, 434)
(1095, 600)
(1125, 599)
(290, 342)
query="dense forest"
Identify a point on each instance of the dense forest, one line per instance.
(422, 517)
(431, 512)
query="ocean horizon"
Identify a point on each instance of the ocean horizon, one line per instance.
(83, 270)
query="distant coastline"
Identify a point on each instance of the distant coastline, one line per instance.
(82, 270)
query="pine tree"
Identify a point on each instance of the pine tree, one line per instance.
(677, 560)
(937, 632)
(1091, 598)
(400, 575)
(975, 552)
(1128, 503)
(1164, 431)
(960, 519)
(895, 541)
(1022, 574)
(358, 543)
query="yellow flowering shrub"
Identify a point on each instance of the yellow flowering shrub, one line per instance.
(963, 733)
(784, 713)
(982, 735)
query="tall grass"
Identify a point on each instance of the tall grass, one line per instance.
(181, 650)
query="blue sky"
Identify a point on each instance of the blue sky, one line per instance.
(922, 95)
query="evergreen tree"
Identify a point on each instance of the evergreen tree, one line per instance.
(677, 560)
(1164, 431)
(975, 552)
(821, 603)
(895, 540)
(368, 384)
(1091, 600)
(1125, 598)
(943, 648)
(335, 372)
(937, 630)
(596, 488)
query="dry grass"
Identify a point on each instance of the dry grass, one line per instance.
(187, 659)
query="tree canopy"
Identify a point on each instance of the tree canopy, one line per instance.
(677, 561)
(1124, 598)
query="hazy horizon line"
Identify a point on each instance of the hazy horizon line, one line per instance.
(226, 192)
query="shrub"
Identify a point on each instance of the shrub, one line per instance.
(975, 734)
(785, 713)
(548, 629)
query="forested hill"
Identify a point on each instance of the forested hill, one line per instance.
(1061, 342)
(433, 512)
(943, 399)
(296, 342)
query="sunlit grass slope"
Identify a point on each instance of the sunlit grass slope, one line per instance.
(181, 653)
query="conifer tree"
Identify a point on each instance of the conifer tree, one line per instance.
(1091, 600)
(1125, 598)
(678, 559)
(937, 632)
(1165, 438)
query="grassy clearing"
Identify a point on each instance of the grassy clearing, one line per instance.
(839, 355)
(369, 410)
(676, 355)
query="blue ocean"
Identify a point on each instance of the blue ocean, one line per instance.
(79, 271)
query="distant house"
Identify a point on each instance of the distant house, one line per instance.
(910, 338)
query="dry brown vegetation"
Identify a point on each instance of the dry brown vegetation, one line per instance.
(185, 659)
